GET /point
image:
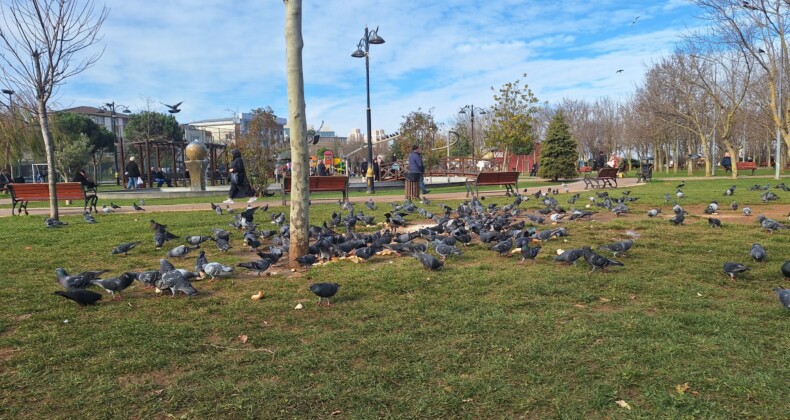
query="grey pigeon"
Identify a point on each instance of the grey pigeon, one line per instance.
(365, 253)
(124, 248)
(786, 269)
(569, 256)
(619, 247)
(678, 219)
(76, 281)
(83, 297)
(216, 269)
(222, 244)
(503, 247)
(445, 250)
(783, 295)
(653, 212)
(53, 223)
(734, 206)
(106, 209)
(528, 253)
(256, 266)
(769, 224)
(733, 268)
(758, 253)
(89, 217)
(180, 251)
(370, 204)
(197, 240)
(175, 281)
(148, 278)
(115, 284)
(747, 211)
(597, 261)
(217, 209)
(324, 291)
(428, 261)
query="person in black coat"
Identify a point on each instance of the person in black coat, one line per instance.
(132, 174)
(82, 177)
(239, 184)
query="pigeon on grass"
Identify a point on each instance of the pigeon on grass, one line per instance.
(77, 281)
(597, 261)
(83, 297)
(124, 248)
(115, 285)
(758, 253)
(619, 247)
(732, 269)
(257, 267)
(324, 291)
(783, 295)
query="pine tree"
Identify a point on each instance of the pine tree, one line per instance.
(558, 155)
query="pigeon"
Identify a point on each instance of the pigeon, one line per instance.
(217, 209)
(786, 269)
(733, 268)
(180, 251)
(83, 297)
(148, 278)
(681, 185)
(136, 207)
(444, 250)
(324, 291)
(173, 109)
(747, 211)
(307, 260)
(175, 281)
(256, 266)
(115, 207)
(653, 212)
(124, 248)
(216, 269)
(427, 260)
(197, 240)
(106, 209)
(678, 219)
(142, 202)
(758, 253)
(569, 256)
(714, 223)
(77, 281)
(769, 224)
(730, 191)
(222, 244)
(528, 253)
(734, 206)
(370, 204)
(679, 194)
(365, 253)
(53, 223)
(619, 247)
(503, 247)
(200, 261)
(781, 293)
(115, 284)
(597, 261)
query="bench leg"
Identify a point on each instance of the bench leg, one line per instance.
(468, 188)
(282, 193)
(13, 207)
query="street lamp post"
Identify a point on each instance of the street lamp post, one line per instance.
(472, 109)
(371, 37)
(112, 107)
(9, 92)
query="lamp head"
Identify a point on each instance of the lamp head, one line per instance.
(358, 53)
(126, 111)
(8, 91)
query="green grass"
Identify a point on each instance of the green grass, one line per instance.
(484, 338)
(698, 172)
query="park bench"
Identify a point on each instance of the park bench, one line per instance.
(24, 193)
(742, 166)
(585, 169)
(508, 179)
(605, 176)
(320, 184)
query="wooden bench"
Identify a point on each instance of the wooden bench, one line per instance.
(606, 176)
(321, 184)
(742, 166)
(585, 169)
(24, 193)
(508, 179)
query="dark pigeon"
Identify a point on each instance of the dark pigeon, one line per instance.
(365, 253)
(200, 261)
(528, 253)
(782, 294)
(714, 223)
(115, 284)
(307, 260)
(732, 269)
(597, 261)
(136, 207)
(77, 281)
(769, 224)
(569, 256)
(83, 297)
(175, 281)
(678, 219)
(324, 291)
(503, 247)
(257, 267)
(786, 269)
(427, 260)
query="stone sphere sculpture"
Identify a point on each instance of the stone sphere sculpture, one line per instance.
(196, 151)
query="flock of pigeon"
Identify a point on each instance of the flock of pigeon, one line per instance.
(505, 230)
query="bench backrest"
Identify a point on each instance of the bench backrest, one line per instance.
(40, 192)
(497, 178)
(746, 165)
(607, 173)
(321, 183)
(585, 169)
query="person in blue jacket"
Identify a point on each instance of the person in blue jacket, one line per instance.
(416, 167)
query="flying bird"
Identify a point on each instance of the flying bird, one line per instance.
(634, 21)
(620, 71)
(173, 108)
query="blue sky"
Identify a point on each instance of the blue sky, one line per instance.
(220, 56)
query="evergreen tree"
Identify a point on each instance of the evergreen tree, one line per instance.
(558, 155)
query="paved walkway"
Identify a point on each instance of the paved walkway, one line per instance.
(76, 207)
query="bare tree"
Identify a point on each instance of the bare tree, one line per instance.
(43, 43)
(300, 159)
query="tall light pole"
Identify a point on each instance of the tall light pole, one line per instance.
(112, 107)
(9, 92)
(371, 37)
(472, 109)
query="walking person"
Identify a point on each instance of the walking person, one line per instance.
(239, 184)
(416, 167)
(132, 174)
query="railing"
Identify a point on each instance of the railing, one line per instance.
(397, 170)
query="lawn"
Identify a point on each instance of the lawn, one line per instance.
(486, 337)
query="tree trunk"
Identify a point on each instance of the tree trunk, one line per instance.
(52, 178)
(300, 158)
